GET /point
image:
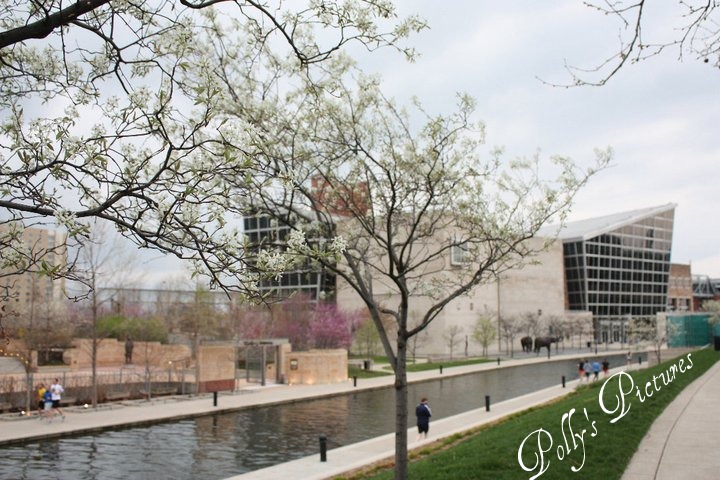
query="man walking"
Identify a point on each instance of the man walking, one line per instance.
(56, 391)
(596, 370)
(423, 414)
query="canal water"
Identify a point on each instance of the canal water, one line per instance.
(223, 445)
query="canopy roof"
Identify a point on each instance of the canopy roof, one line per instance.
(585, 229)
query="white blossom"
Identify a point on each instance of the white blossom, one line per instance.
(296, 241)
(338, 245)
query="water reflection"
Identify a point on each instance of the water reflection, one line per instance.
(220, 446)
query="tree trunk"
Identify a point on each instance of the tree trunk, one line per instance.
(401, 412)
(94, 353)
(94, 399)
(29, 390)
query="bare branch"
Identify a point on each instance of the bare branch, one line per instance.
(698, 35)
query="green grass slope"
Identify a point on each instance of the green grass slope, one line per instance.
(588, 446)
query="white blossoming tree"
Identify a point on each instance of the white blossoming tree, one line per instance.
(712, 307)
(650, 334)
(399, 193)
(99, 118)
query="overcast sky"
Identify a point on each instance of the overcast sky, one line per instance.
(661, 117)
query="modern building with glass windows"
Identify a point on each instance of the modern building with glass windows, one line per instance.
(618, 267)
(612, 268)
(313, 282)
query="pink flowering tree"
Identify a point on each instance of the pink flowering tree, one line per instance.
(331, 327)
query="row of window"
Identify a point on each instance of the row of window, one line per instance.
(264, 222)
(654, 298)
(618, 288)
(625, 297)
(628, 244)
(617, 276)
(618, 312)
(293, 279)
(681, 282)
(619, 283)
(658, 225)
(255, 238)
(615, 264)
(679, 304)
(577, 299)
(623, 256)
(659, 265)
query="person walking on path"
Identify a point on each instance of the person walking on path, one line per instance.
(628, 357)
(596, 370)
(581, 369)
(588, 370)
(605, 367)
(423, 414)
(41, 398)
(56, 391)
(47, 406)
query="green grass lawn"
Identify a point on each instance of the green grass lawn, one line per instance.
(362, 373)
(491, 452)
(374, 358)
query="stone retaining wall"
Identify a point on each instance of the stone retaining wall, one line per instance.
(316, 366)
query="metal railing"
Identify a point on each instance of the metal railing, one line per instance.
(18, 390)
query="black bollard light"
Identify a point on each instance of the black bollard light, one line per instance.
(323, 448)
(487, 403)
(214, 399)
(440, 369)
(639, 360)
(354, 380)
(563, 381)
(498, 360)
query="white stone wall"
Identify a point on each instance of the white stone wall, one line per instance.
(538, 286)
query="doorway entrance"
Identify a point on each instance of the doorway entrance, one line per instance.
(258, 361)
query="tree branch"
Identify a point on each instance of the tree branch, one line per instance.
(44, 27)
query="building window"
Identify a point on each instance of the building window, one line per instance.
(459, 254)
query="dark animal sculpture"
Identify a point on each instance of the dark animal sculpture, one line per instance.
(527, 344)
(544, 342)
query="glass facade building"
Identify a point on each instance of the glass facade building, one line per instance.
(313, 282)
(618, 268)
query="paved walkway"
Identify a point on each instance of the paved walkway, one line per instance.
(682, 441)
(344, 459)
